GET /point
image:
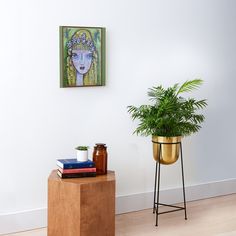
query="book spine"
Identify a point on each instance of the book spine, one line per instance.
(75, 165)
(76, 175)
(60, 164)
(80, 170)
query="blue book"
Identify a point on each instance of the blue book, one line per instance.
(74, 164)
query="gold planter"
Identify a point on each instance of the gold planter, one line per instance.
(169, 152)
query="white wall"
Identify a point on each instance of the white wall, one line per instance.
(148, 43)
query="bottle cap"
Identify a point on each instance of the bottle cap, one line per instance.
(100, 144)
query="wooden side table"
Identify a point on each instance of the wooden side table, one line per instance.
(81, 206)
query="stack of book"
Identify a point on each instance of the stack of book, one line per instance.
(71, 168)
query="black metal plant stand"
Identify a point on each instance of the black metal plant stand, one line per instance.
(156, 202)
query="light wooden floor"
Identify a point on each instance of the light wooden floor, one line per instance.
(214, 216)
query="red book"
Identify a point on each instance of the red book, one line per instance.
(80, 170)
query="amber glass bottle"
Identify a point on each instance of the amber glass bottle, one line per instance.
(100, 158)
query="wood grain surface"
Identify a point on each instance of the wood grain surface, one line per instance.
(81, 206)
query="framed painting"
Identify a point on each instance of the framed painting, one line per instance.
(82, 56)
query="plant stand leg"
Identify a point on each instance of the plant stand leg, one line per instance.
(158, 185)
(182, 167)
(155, 190)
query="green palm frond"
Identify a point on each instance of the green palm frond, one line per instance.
(170, 114)
(200, 104)
(156, 93)
(190, 85)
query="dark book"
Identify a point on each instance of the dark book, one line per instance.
(76, 175)
(74, 164)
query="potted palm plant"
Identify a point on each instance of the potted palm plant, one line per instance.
(169, 118)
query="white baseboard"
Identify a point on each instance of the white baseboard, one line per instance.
(37, 218)
(140, 201)
(23, 220)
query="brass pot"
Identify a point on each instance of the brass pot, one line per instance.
(169, 152)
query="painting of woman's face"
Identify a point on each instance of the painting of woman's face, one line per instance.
(82, 60)
(82, 56)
